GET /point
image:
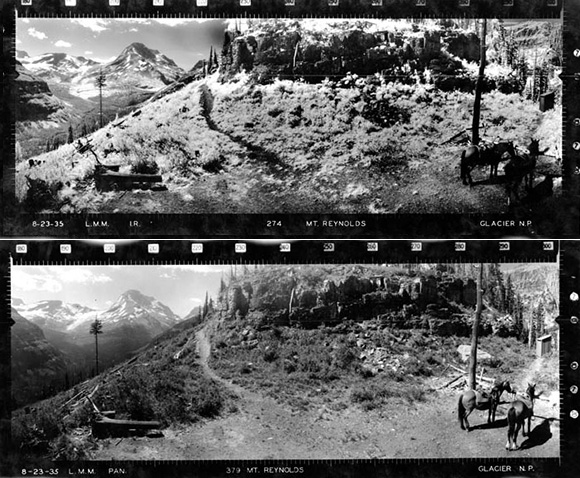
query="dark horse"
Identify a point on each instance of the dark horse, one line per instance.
(471, 400)
(521, 168)
(520, 411)
(482, 156)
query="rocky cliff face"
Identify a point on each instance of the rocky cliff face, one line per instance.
(35, 100)
(293, 297)
(284, 48)
(36, 364)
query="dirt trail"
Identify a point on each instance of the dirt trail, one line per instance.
(261, 428)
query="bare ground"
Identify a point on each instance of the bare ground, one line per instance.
(261, 428)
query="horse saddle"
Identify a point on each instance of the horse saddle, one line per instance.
(482, 399)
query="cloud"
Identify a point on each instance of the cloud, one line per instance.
(196, 300)
(63, 44)
(96, 25)
(88, 52)
(33, 32)
(81, 276)
(197, 268)
(26, 281)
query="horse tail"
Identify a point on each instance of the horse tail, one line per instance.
(463, 166)
(511, 419)
(460, 412)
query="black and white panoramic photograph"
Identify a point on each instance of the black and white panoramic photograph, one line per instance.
(190, 362)
(216, 116)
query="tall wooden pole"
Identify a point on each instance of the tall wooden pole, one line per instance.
(479, 84)
(475, 332)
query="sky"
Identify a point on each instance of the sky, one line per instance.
(184, 40)
(180, 287)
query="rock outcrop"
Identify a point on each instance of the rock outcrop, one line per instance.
(283, 48)
(35, 100)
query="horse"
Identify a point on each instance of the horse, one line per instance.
(520, 411)
(471, 400)
(482, 156)
(500, 386)
(518, 169)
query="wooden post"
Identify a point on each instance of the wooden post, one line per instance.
(479, 84)
(475, 330)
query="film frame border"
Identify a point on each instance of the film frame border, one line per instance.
(299, 8)
(565, 222)
(80, 253)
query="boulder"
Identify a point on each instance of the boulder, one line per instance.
(465, 351)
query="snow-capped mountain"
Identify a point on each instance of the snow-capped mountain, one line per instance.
(55, 314)
(129, 324)
(149, 67)
(131, 309)
(137, 66)
(56, 67)
(135, 308)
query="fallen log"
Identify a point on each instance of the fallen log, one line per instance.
(452, 381)
(457, 368)
(110, 427)
(107, 180)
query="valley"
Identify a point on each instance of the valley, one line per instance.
(346, 117)
(305, 361)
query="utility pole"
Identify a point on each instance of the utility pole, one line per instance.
(479, 84)
(475, 332)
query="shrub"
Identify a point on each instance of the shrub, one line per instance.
(270, 355)
(144, 166)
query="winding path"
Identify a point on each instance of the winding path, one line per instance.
(261, 428)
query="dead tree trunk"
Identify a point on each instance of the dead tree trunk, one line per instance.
(475, 331)
(479, 84)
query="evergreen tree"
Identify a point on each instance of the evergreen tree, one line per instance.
(48, 145)
(215, 59)
(539, 319)
(210, 61)
(96, 329)
(206, 305)
(100, 83)
(509, 296)
(70, 134)
(222, 291)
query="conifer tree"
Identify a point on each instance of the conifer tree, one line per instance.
(206, 305)
(96, 329)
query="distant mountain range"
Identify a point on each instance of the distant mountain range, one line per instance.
(55, 334)
(136, 67)
(131, 308)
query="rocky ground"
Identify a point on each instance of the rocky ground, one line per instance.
(261, 428)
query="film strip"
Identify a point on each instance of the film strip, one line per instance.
(302, 8)
(317, 119)
(322, 358)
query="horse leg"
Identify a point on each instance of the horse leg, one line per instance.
(511, 417)
(529, 420)
(468, 412)
(519, 425)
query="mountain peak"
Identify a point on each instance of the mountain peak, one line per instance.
(135, 295)
(141, 50)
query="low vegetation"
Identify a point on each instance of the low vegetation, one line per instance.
(156, 386)
(350, 146)
(362, 364)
